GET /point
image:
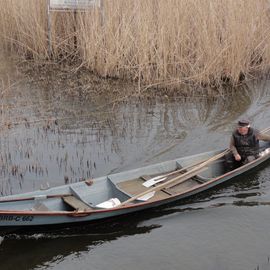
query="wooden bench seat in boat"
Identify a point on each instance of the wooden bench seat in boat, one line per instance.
(78, 199)
(76, 203)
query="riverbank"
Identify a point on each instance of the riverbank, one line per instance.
(78, 81)
(151, 44)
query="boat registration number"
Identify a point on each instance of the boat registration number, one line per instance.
(16, 218)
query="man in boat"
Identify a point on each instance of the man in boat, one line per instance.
(244, 143)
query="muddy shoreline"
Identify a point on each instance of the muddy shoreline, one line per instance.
(78, 81)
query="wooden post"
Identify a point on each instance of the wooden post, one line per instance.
(102, 10)
(75, 30)
(49, 29)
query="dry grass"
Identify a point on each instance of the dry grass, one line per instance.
(154, 42)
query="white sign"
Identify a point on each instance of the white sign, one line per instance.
(73, 4)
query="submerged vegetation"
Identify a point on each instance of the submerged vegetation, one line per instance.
(155, 43)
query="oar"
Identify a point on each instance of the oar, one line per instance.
(183, 169)
(182, 177)
(36, 197)
(265, 130)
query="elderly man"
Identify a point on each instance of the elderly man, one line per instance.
(245, 142)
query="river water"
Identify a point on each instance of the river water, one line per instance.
(49, 139)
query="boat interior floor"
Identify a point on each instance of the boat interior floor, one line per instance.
(135, 186)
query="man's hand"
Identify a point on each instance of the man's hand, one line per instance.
(237, 157)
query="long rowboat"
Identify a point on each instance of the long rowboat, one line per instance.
(122, 193)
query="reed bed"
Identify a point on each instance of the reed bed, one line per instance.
(154, 42)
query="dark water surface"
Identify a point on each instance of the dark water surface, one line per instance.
(49, 139)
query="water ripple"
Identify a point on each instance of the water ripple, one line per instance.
(1, 240)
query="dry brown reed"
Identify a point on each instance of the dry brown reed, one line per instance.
(154, 42)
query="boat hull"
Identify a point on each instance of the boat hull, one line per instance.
(13, 219)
